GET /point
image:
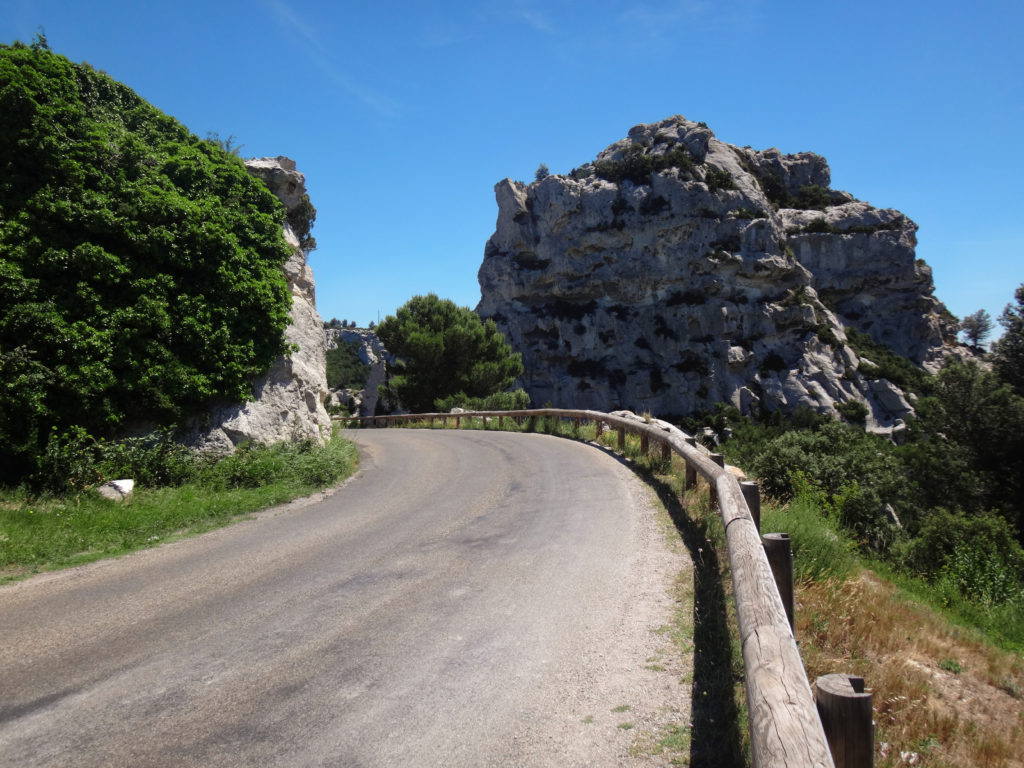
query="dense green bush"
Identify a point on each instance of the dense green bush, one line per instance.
(718, 178)
(73, 460)
(965, 449)
(854, 471)
(637, 166)
(140, 266)
(853, 411)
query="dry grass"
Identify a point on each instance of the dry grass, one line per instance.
(925, 714)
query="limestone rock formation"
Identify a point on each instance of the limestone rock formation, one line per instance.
(676, 271)
(372, 353)
(289, 398)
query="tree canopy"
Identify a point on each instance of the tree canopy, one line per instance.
(443, 350)
(140, 266)
(1008, 351)
(976, 327)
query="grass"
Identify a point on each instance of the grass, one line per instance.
(940, 691)
(45, 532)
(943, 691)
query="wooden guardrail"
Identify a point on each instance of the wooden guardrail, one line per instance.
(785, 729)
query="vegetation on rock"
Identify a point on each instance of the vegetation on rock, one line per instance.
(345, 369)
(976, 327)
(140, 266)
(444, 354)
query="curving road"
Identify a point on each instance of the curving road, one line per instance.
(467, 599)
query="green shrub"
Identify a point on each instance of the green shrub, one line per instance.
(827, 336)
(637, 166)
(887, 364)
(853, 411)
(718, 178)
(516, 400)
(141, 277)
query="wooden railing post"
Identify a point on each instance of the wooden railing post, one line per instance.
(645, 443)
(666, 451)
(752, 495)
(719, 459)
(691, 471)
(779, 551)
(845, 711)
(622, 438)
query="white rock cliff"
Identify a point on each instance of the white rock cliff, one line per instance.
(677, 271)
(289, 398)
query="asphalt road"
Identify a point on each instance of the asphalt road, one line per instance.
(467, 599)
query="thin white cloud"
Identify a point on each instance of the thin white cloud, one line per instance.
(535, 19)
(375, 100)
(659, 17)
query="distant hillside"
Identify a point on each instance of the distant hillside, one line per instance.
(140, 266)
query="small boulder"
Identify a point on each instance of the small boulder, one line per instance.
(117, 490)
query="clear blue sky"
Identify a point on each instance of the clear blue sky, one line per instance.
(403, 115)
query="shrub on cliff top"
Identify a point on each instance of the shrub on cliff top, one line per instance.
(140, 266)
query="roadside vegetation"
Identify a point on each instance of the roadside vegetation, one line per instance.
(179, 492)
(140, 266)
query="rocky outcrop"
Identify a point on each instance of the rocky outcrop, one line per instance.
(362, 402)
(677, 271)
(289, 398)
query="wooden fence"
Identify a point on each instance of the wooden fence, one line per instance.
(785, 728)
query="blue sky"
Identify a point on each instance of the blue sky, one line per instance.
(404, 115)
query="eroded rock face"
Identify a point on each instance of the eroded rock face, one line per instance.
(676, 271)
(289, 399)
(371, 353)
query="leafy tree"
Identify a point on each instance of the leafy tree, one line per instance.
(442, 350)
(1008, 351)
(966, 448)
(541, 173)
(976, 327)
(140, 266)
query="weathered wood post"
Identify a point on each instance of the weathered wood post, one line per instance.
(845, 711)
(719, 459)
(622, 438)
(458, 421)
(666, 451)
(778, 549)
(691, 471)
(645, 443)
(752, 495)
(501, 422)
